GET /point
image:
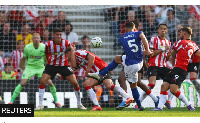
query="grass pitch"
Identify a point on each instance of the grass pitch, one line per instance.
(112, 112)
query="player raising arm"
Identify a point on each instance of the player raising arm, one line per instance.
(34, 56)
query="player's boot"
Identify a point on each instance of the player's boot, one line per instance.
(95, 108)
(81, 107)
(10, 103)
(96, 75)
(141, 108)
(121, 105)
(156, 103)
(191, 108)
(136, 107)
(167, 104)
(40, 107)
(157, 109)
(129, 100)
(58, 105)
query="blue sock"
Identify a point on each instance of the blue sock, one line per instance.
(136, 96)
(110, 67)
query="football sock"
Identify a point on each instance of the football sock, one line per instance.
(53, 92)
(163, 99)
(16, 92)
(136, 96)
(170, 95)
(78, 96)
(143, 96)
(110, 67)
(150, 93)
(91, 94)
(41, 94)
(119, 90)
(151, 86)
(99, 91)
(180, 96)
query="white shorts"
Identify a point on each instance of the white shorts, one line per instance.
(131, 71)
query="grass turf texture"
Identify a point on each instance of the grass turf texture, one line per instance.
(112, 112)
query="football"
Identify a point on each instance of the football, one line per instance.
(96, 42)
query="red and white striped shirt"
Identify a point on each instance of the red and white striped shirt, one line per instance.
(16, 57)
(81, 55)
(157, 43)
(1, 64)
(55, 53)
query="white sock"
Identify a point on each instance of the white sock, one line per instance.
(183, 99)
(143, 96)
(91, 94)
(78, 96)
(120, 91)
(170, 96)
(162, 101)
(154, 98)
(41, 94)
(123, 99)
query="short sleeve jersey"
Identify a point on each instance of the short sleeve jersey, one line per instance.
(35, 57)
(185, 49)
(133, 47)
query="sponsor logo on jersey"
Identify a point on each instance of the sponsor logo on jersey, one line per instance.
(58, 53)
(36, 57)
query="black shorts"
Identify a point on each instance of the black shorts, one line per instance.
(108, 76)
(176, 76)
(159, 72)
(53, 70)
(141, 70)
(193, 67)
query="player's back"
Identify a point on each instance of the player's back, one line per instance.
(133, 47)
(185, 49)
(36, 57)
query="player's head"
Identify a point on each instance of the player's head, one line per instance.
(68, 53)
(130, 26)
(186, 33)
(57, 34)
(162, 29)
(20, 45)
(8, 67)
(179, 34)
(36, 39)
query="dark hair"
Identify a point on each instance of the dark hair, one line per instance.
(68, 50)
(171, 10)
(188, 30)
(7, 64)
(70, 26)
(136, 24)
(60, 11)
(57, 30)
(130, 25)
(164, 24)
(84, 37)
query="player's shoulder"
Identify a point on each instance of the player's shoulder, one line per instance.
(29, 45)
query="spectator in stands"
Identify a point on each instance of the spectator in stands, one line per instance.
(7, 40)
(30, 13)
(182, 14)
(171, 22)
(150, 26)
(40, 22)
(194, 10)
(140, 25)
(2, 19)
(60, 22)
(86, 42)
(46, 36)
(142, 13)
(50, 17)
(195, 32)
(26, 36)
(69, 35)
(131, 17)
(7, 74)
(161, 13)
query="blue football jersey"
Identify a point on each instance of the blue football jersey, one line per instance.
(133, 47)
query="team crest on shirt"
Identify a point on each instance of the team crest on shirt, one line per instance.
(62, 47)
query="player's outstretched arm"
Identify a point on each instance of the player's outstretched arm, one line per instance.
(72, 57)
(145, 44)
(173, 57)
(90, 59)
(197, 53)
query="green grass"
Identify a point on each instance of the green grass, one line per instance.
(111, 112)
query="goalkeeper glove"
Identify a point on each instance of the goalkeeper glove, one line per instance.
(15, 74)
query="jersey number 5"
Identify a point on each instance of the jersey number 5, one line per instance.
(130, 44)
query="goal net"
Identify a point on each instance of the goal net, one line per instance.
(80, 23)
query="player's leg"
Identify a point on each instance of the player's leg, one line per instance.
(27, 74)
(147, 90)
(110, 67)
(168, 102)
(88, 84)
(122, 82)
(193, 79)
(52, 89)
(152, 73)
